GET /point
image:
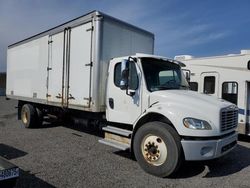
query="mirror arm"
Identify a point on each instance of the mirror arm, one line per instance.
(133, 58)
(131, 93)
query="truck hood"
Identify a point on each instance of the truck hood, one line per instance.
(179, 104)
(188, 98)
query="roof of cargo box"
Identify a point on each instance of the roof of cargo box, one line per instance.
(77, 21)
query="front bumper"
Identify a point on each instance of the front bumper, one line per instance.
(197, 150)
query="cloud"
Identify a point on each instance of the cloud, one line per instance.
(188, 36)
(178, 26)
(31, 17)
(174, 31)
(177, 34)
(22, 19)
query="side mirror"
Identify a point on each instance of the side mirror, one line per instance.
(187, 74)
(124, 74)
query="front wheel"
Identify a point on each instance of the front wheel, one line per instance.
(157, 149)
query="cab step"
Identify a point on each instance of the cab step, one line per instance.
(116, 137)
(117, 131)
(115, 144)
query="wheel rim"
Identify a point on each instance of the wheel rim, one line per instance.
(25, 117)
(154, 150)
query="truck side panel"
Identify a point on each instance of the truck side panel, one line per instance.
(80, 66)
(120, 40)
(68, 65)
(26, 69)
(55, 68)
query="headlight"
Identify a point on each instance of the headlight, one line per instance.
(198, 124)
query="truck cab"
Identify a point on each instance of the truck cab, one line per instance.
(151, 111)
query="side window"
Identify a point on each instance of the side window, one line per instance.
(230, 91)
(187, 74)
(133, 78)
(118, 75)
(209, 85)
(193, 86)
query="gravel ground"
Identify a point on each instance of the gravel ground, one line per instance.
(59, 156)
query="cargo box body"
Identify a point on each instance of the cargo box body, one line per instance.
(67, 66)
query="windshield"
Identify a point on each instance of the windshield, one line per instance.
(163, 75)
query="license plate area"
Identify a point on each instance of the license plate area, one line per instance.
(9, 173)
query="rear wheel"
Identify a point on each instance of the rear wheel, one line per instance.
(157, 148)
(39, 117)
(29, 116)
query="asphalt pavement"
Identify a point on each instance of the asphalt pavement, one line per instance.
(68, 156)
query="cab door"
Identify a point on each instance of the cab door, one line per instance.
(122, 106)
(210, 83)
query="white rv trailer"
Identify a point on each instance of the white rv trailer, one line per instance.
(226, 77)
(88, 69)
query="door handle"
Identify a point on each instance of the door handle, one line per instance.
(111, 103)
(59, 96)
(71, 97)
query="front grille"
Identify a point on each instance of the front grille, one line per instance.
(229, 118)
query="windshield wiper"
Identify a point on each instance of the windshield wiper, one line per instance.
(184, 86)
(175, 87)
(164, 87)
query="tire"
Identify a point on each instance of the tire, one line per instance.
(39, 117)
(29, 116)
(157, 149)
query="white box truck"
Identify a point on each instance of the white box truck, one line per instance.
(224, 76)
(89, 69)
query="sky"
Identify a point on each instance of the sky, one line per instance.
(194, 27)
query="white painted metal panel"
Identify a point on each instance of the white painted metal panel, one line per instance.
(119, 40)
(126, 108)
(56, 68)
(79, 76)
(231, 68)
(26, 69)
(28, 61)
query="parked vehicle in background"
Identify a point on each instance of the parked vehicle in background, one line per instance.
(2, 83)
(8, 173)
(226, 77)
(90, 69)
